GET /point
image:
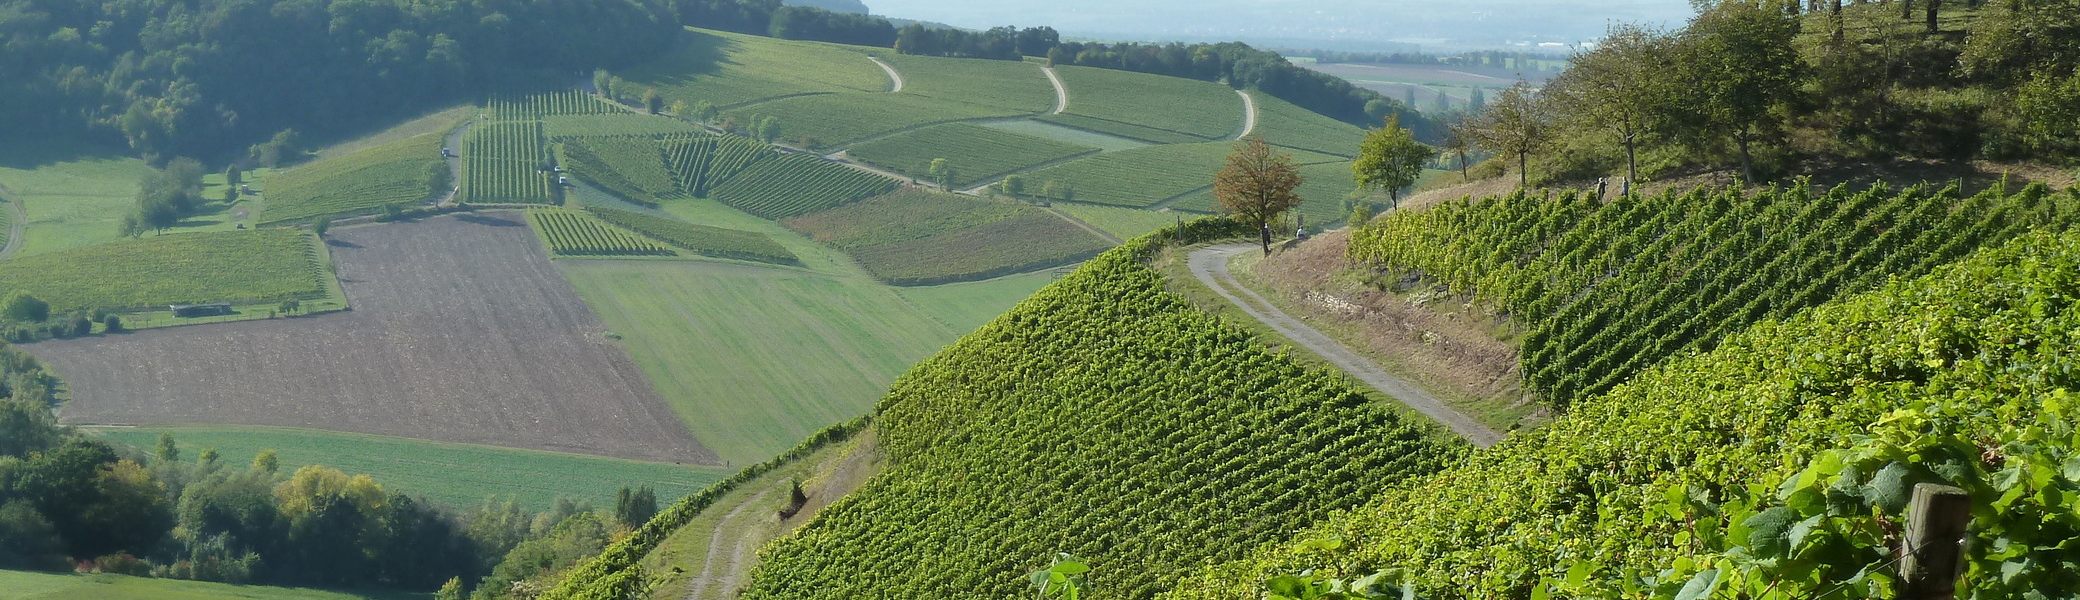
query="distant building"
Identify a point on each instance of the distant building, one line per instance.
(212, 309)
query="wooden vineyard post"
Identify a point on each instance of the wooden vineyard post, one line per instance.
(1934, 546)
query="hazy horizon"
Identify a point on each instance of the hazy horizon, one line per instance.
(1341, 24)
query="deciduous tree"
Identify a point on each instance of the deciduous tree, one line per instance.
(1620, 87)
(1390, 159)
(1257, 184)
(1514, 124)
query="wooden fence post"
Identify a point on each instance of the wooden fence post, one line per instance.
(1934, 546)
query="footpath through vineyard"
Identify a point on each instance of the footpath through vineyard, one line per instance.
(1210, 265)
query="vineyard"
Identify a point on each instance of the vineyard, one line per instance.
(1015, 86)
(630, 167)
(699, 164)
(406, 171)
(1143, 177)
(1781, 458)
(573, 233)
(617, 123)
(793, 184)
(700, 239)
(836, 119)
(1119, 129)
(729, 69)
(1107, 418)
(241, 267)
(1205, 110)
(1027, 242)
(548, 104)
(1324, 190)
(1285, 124)
(907, 214)
(977, 154)
(505, 165)
(1606, 290)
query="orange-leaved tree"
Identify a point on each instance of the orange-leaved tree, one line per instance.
(1258, 183)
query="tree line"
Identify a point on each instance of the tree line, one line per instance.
(72, 501)
(1764, 87)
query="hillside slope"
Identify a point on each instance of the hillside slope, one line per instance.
(1104, 417)
(1967, 373)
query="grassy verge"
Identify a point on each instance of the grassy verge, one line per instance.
(25, 585)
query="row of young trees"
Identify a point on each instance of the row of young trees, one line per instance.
(1757, 85)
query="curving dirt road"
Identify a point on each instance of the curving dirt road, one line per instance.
(892, 74)
(1249, 114)
(454, 145)
(1061, 92)
(727, 578)
(14, 229)
(1210, 266)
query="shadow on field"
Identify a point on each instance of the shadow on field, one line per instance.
(491, 221)
(340, 243)
(30, 153)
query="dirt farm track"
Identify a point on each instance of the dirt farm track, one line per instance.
(461, 331)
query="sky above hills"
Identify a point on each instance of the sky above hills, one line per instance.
(1340, 24)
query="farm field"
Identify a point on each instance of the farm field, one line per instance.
(1143, 177)
(406, 171)
(241, 267)
(460, 476)
(1109, 128)
(838, 119)
(1059, 133)
(1001, 84)
(794, 184)
(617, 123)
(76, 194)
(730, 69)
(461, 332)
(1122, 223)
(699, 239)
(563, 103)
(1285, 124)
(442, 121)
(504, 164)
(699, 164)
(1029, 241)
(709, 335)
(28, 585)
(976, 153)
(574, 233)
(1201, 109)
(630, 167)
(906, 214)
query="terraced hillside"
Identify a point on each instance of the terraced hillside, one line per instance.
(1606, 290)
(1154, 108)
(1781, 461)
(1155, 418)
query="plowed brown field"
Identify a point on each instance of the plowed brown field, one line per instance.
(461, 331)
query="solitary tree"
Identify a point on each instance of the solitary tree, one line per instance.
(705, 111)
(603, 82)
(941, 172)
(1052, 189)
(321, 225)
(1257, 184)
(1737, 63)
(267, 461)
(1619, 86)
(1389, 159)
(1014, 185)
(233, 175)
(681, 109)
(1514, 124)
(1458, 141)
(653, 101)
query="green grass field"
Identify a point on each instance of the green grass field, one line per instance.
(460, 476)
(615, 124)
(730, 69)
(1108, 128)
(1026, 242)
(26, 585)
(76, 194)
(707, 334)
(442, 121)
(1284, 124)
(234, 266)
(1059, 133)
(1123, 223)
(977, 154)
(904, 215)
(1001, 84)
(1202, 109)
(837, 119)
(400, 172)
(1143, 177)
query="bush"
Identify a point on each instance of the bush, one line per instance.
(111, 323)
(21, 307)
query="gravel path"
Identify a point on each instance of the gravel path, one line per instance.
(1249, 114)
(1210, 265)
(1061, 92)
(892, 74)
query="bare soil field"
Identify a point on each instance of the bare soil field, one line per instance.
(461, 331)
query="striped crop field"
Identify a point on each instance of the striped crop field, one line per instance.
(977, 154)
(573, 233)
(505, 165)
(794, 184)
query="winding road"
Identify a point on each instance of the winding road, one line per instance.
(726, 578)
(892, 74)
(14, 228)
(1210, 266)
(1249, 114)
(454, 146)
(1061, 92)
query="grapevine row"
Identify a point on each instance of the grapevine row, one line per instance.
(505, 165)
(570, 233)
(795, 184)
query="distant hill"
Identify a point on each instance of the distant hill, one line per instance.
(840, 6)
